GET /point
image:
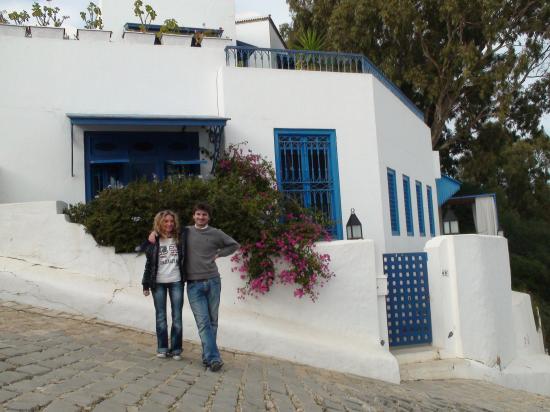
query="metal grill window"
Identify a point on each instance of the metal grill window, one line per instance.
(394, 210)
(420, 205)
(430, 210)
(307, 172)
(408, 205)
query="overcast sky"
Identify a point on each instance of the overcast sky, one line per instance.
(244, 8)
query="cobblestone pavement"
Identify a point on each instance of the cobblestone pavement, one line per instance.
(55, 361)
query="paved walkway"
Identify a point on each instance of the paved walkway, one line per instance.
(54, 361)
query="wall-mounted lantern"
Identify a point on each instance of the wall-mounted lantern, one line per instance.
(354, 229)
(450, 223)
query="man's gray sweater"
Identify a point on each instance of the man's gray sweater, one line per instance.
(202, 247)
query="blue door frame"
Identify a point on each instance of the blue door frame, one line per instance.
(307, 170)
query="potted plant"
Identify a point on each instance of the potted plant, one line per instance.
(170, 34)
(17, 29)
(146, 15)
(211, 40)
(45, 17)
(93, 25)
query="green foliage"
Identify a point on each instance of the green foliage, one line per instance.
(146, 16)
(46, 15)
(19, 18)
(310, 39)
(246, 204)
(169, 26)
(3, 19)
(92, 17)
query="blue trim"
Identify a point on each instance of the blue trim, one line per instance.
(408, 205)
(493, 195)
(394, 205)
(115, 120)
(420, 206)
(109, 161)
(243, 44)
(334, 173)
(155, 28)
(446, 187)
(186, 162)
(430, 210)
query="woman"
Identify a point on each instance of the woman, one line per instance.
(162, 276)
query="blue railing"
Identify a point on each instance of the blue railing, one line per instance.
(241, 56)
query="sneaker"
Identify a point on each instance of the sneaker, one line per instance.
(161, 355)
(176, 357)
(216, 366)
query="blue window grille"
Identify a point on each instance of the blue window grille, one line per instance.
(420, 205)
(394, 208)
(430, 210)
(307, 171)
(408, 205)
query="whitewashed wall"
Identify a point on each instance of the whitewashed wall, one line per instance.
(404, 145)
(471, 298)
(52, 78)
(211, 14)
(258, 33)
(50, 262)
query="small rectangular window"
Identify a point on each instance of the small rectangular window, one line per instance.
(420, 206)
(394, 209)
(408, 205)
(430, 210)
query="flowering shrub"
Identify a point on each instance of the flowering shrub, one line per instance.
(282, 248)
(290, 248)
(277, 235)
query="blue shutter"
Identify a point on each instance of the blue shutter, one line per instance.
(430, 210)
(408, 206)
(394, 210)
(420, 205)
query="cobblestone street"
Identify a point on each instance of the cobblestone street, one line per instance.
(55, 361)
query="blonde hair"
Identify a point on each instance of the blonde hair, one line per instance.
(157, 226)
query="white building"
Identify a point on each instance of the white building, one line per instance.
(80, 115)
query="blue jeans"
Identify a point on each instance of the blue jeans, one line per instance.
(204, 299)
(175, 290)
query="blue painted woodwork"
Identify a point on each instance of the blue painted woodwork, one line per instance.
(314, 60)
(430, 210)
(307, 171)
(446, 188)
(138, 120)
(408, 205)
(408, 299)
(113, 159)
(394, 205)
(420, 206)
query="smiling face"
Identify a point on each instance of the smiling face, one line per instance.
(167, 225)
(201, 218)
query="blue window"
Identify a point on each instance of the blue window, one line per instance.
(430, 210)
(307, 171)
(420, 205)
(408, 205)
(394, 208)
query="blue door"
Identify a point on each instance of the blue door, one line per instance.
(408, 299)
(307, 171)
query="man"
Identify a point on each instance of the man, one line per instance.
(204, 244)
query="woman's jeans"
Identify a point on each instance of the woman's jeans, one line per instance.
(175, 290)
(204, 299)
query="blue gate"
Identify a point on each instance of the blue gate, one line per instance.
(408, 299)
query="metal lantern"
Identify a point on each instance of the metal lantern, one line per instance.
(354, 229)
(450, 223)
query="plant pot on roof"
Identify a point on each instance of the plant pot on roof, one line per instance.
(15, 30)
(93, 25)
(170, 34)
(49, 21)
(146, 15)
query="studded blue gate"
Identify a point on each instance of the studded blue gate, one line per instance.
(408, 299)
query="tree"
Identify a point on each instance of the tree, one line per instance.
(462, 62)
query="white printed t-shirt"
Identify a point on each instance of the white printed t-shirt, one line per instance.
(168, 270)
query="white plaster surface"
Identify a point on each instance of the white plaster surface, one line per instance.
(50, 262)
